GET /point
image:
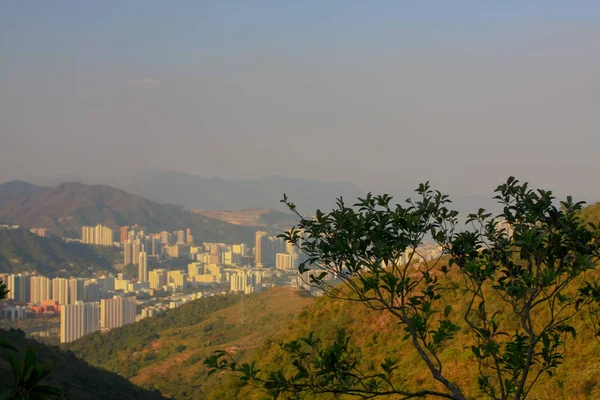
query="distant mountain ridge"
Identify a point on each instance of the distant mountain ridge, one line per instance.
(20, 187)
(65, 208)
(199, 192)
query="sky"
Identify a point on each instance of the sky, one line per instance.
(383, 94)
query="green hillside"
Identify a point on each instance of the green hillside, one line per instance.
(65, 208)
(76, 378)
(591, 213)
(167, 351)
(21, 250)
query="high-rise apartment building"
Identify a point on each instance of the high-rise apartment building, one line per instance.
(117, 312)
(124, 232)
(276, 245)
(106, 283)
(77, 320)
(99, 235)
(180, 237)
(165, 237)
(4, 278)
(177, 280)
(143, 267)
(19, 287)
(189, 237)
(247, 282)
(194, 269)
(60, 290)
(131, 251)
(76, 290)
(283, 261)
(91, 291)
(158, 278)
(41, 289)
(239, 249)
(156, 246)
(262, 249)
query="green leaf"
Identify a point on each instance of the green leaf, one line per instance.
(447, 311)
(5, 344)
(47, 389)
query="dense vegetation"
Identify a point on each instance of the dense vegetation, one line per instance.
(65, 208)
(526, 281)
(21, 250)
(74, 377)
(166, 352)
(375, 337)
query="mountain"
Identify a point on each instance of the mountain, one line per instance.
(21, 250)
(257, 217)
(76, 378)
(20, 187)
(167, 351)
(65, 208)
(228, 194)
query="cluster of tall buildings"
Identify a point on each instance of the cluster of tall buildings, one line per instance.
(170, 244)
(117, 312)
(221, 253)
(79, 319)
(83, 308)
(82, 318)
(246, 282)
(99, 235)
(26, 288)
(266, 249)
(86, 305)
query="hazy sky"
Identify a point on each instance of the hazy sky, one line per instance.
(383, 94)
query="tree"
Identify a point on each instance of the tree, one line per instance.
(535, 260)
(28, 374)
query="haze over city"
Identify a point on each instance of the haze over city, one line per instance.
(380, 94)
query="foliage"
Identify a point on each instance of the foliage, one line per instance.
(173, 345)
(75, 378)
(524, 272)
(26, 377)
(104, 349)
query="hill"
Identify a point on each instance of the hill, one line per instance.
(19, 187)
(76, 378)
(65, 208)
(256, 217)
(591, 213)
(167, 351)
(172, 346)
(21, 250)
(200, 192)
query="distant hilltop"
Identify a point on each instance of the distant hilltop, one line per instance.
(204, 193)
(64, 209)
